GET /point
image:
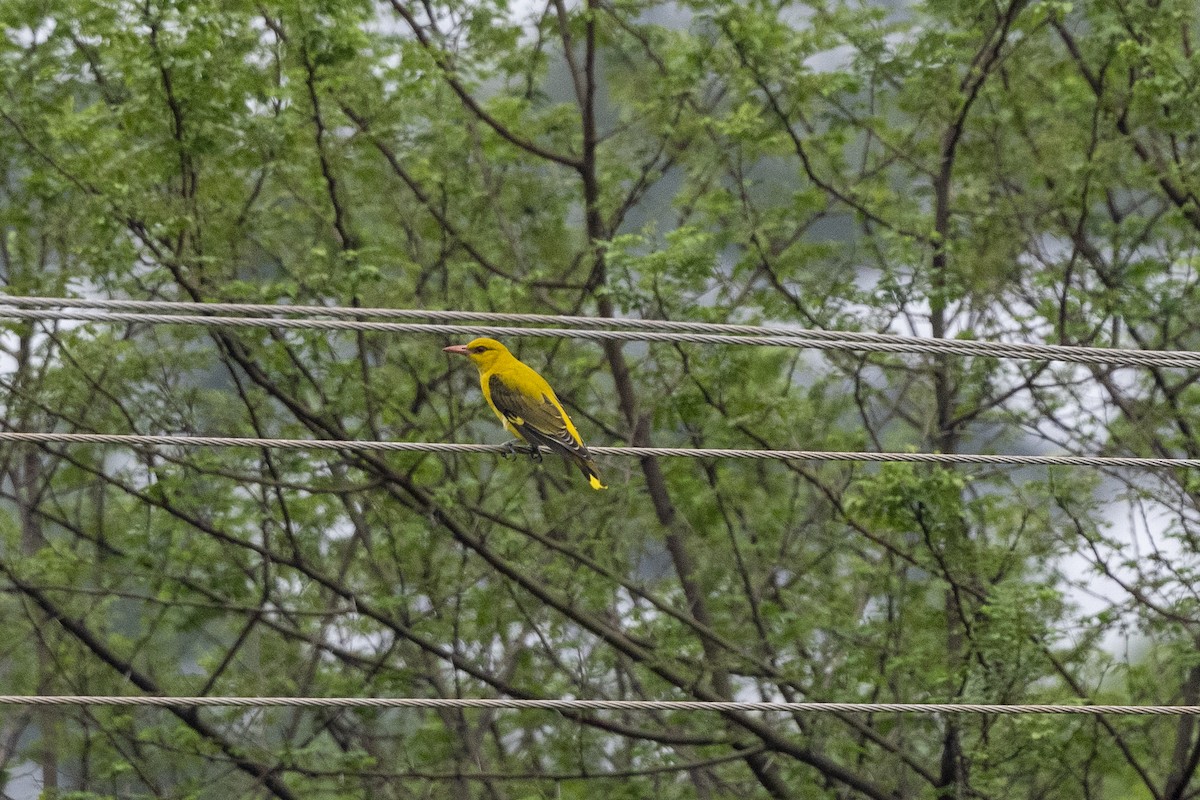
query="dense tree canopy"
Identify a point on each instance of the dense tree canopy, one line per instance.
(1001, 169)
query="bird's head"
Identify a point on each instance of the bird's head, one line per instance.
(484, 352)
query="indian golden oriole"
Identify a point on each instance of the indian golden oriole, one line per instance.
(526, 404)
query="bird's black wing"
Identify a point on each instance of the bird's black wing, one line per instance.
(537, 419)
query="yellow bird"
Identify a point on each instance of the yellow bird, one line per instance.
(526, 404)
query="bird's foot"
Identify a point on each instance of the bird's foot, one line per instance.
(516, 447)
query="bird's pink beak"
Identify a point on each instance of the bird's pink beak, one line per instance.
(461, 349)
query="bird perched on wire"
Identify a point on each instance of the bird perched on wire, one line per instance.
(526, 404)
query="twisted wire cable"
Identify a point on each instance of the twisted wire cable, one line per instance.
(141, 440)
(862, 342)
(344, 312)
(595, 705)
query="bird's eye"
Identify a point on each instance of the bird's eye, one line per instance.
(480, 349)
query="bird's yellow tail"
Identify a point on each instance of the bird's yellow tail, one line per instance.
(588, 468)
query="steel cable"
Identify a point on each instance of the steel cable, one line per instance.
(140, 440)
(879, 343)
(594, 705)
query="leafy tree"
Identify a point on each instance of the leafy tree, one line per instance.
(1017, 171)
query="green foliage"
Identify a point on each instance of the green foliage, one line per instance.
(1014, 172)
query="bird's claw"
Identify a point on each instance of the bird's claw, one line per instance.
(510, 450)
